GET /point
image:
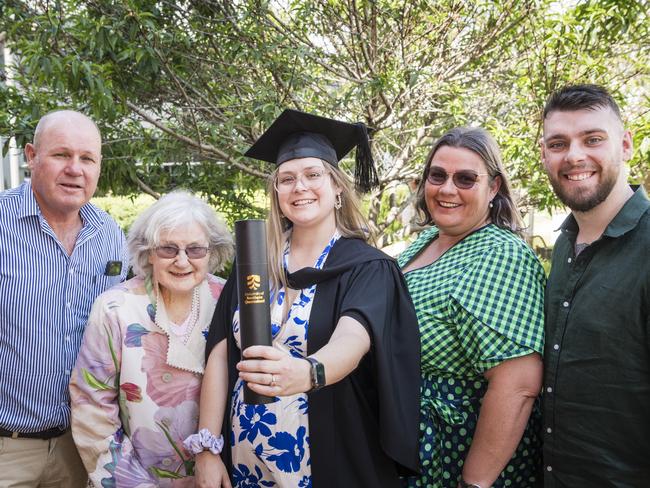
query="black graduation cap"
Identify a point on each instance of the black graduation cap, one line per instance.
(296, 134)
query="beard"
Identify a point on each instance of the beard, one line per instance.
(583, 200)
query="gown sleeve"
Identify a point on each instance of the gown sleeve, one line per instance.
(221, 324)
(377, 297)
(99, 430)
(499, 307)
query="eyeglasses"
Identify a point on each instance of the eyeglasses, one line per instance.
(464, 179)
(170, 252)
(311, 179)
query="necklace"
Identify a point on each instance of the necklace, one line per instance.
(184, 330)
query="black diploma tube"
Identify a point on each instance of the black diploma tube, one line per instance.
(253, 292)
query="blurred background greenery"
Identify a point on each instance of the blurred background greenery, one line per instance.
(181, 88)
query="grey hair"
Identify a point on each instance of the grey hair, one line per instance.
(504, 212)
(174, 211)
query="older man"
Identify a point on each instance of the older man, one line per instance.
(57, 253)
(597, 354)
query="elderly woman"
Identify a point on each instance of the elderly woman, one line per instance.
(478, 292)
(135, 387)
(343, 369)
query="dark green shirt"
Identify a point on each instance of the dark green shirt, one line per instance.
(597, 356)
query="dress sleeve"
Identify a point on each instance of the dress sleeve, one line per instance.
(99, 430)
(377, 297)
(499, 307)
(221, 323)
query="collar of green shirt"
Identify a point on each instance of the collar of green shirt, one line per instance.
(626, 219)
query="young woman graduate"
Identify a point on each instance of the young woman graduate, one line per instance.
(344, 366)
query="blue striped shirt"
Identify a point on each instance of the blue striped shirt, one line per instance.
(45, 300)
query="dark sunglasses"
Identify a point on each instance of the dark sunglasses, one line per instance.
(464, 179)
(169, 252)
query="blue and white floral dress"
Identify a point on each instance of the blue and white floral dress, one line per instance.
(270, 443)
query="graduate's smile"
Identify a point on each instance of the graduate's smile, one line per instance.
(307, 204)
(303, 202)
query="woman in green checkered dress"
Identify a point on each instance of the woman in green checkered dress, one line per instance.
(478, 292)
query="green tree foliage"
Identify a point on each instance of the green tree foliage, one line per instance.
(181, 88)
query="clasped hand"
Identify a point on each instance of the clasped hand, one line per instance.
(271, 372)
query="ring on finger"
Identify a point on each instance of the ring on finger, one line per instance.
(272, 383)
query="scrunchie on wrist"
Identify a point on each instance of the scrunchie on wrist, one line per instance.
(204, 441)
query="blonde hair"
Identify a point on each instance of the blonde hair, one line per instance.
(350, 222)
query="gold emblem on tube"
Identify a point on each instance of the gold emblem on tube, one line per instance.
(253, 283)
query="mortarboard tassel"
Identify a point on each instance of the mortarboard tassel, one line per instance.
(365, 174)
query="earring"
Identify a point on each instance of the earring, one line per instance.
(338, 204)
(491, 205)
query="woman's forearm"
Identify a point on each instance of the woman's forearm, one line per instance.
(276, 373)
(214, 390)
(210, 469)
(345, 349)
(505, 411)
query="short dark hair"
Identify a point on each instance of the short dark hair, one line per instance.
(580, 97)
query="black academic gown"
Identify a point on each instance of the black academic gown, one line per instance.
(363, 430)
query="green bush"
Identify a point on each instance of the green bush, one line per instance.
(124, 209)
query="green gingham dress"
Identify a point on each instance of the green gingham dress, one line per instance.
(479, 304)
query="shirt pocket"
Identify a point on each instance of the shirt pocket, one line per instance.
(103, 282)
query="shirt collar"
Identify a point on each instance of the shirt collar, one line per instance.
(90, 215)
(625, 220)
(29, 205)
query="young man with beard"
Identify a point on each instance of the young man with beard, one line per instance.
(597, 353)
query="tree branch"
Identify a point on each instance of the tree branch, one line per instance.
(201, 146)
(146, 188)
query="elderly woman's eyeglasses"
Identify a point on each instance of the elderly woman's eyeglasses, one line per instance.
(170, 252)
(311, 179)
(464, 179)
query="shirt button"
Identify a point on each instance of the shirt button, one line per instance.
(556, 346)
(67, 304)
(549, 389)
(67, 371)
(549, 430)
(549, 468)
(71, 271)
(167, 377)
(67, 338)
(166, 462)
(569, 260)
(565, 304)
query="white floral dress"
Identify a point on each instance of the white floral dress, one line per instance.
(135, 389)
(270, 443)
